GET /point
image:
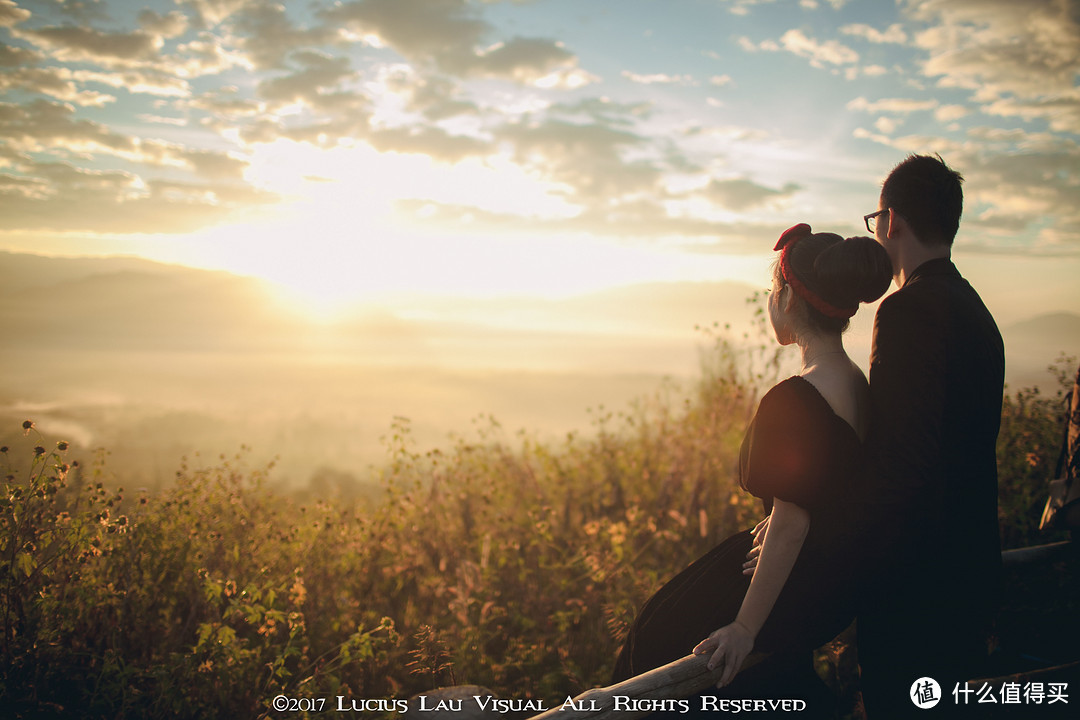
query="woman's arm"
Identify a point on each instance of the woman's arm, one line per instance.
(759, 533)
(731, 644)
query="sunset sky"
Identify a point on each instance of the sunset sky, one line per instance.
(370, 149)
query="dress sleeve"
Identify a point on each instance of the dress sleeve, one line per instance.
(787, 450)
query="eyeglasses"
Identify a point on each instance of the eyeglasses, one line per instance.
(871, 219)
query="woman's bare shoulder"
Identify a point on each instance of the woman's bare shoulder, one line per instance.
(844, 387)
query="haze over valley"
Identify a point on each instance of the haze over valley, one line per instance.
(156, 362)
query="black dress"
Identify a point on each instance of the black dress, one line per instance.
(796, 449)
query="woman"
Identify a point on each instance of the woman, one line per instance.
(784, 587)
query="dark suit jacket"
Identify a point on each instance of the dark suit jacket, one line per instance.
(929, 504)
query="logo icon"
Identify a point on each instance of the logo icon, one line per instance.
(925, 693)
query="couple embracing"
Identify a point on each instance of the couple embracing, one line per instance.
(881, 495)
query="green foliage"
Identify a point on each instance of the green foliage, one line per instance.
(1029, 442)
(509, 563)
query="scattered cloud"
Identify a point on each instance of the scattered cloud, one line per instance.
(795, 41)
(83, 44)
(11, 14)
(588, 160)
(42, 125)
(269, 36)
(820, 54)
(167, 107)
(213, 12)
(659, 79)
(55, 82)
(170, 25)
(950, 113)
(1022, 55)
(894, 34)
(892, 105)
(741, 194)
(61, 197)
(137, 81)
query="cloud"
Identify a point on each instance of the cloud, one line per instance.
(11, 56)
(606, 111)
(886, 125)
(205, 55)
(820, 54)
(85, 44)
(1000, 48)
(63, 198)
(435, 97)
(1016, 183)
(11, 14)
(149, 82)
(740, 194)
(43, 125)
(589, 160)
(637, 220)
(447, 35)
(434, 142)
(742, 7)
(659, 79)
(525, 60)
(173, 24)
(318, 74)
(226, 103)
(52, 81)
(892, 105)
(893, 34)
(443, 31)
(1061, 112)
(214, 12)
(269, 36)
(949, 113)
(795, 41)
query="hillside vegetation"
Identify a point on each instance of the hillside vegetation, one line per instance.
(499, 560)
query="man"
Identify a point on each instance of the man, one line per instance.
(932, 567)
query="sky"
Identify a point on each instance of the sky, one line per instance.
(362, 150)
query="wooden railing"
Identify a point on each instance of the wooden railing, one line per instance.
(679, 679)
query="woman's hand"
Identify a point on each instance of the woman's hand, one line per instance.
(729, 647)
(759, 532)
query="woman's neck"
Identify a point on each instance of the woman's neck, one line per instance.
(814, 347)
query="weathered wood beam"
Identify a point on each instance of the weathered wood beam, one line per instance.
(1036, 553)
(679, 679)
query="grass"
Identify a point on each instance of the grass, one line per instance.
(498, 561)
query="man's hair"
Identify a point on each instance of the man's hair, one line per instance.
(926, 193)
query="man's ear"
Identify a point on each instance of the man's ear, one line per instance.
(897, 224)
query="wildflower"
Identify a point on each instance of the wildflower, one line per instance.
(27, 426)
(4, 449)
(39, 451)
(62, 446)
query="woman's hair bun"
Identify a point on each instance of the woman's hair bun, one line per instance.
(852, 271)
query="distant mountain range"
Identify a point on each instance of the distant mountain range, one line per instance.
(128, 304)
(156, 361)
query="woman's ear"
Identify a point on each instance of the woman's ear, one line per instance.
(789, 304)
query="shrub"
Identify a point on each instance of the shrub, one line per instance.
(509, 563)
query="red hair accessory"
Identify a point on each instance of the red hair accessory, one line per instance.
(784, 244)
